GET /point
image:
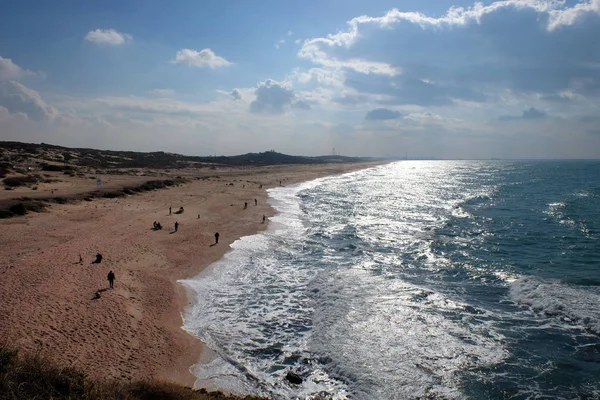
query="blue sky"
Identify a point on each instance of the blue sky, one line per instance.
(448, 79)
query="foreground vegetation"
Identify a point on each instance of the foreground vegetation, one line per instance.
(33, 377)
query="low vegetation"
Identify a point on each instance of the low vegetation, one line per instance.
(26, 180)
(33, 377)
(24, 205)
(49, 156)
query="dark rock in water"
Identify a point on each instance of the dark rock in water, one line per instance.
(293, 378)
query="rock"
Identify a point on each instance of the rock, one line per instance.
(293, 378)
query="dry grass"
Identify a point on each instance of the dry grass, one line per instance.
(27, 205)
(33, 377)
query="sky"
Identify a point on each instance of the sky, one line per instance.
(423, 78)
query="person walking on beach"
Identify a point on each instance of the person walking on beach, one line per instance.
(111, 279)
(176, 226)
(245, 205)
(169, 210)
(255, 202)
(80, 259)
(264, 218)
(216, 237)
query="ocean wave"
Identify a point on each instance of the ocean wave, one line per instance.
(576, 306)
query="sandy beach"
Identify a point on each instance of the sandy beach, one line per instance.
(48, 301)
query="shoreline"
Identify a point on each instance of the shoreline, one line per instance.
(136, 330)
(207, 355)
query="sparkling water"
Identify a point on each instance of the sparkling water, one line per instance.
(412, 280)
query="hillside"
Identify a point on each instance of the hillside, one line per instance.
(14, 155)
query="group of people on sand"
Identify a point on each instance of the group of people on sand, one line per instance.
(180, 211)
(157, 226)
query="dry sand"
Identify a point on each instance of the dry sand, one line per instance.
(133, 331)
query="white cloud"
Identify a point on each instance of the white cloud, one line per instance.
(10, 70)
(202, 58)
(279, 43)
(327, 50)
(18, 99)
(107, 36)
(319, 76)
(162, 92)
(311, 50)
(461, 16)
(569, 16)
(466, 57)
(272, 97)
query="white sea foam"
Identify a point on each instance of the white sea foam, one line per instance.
(398, 340)
(575, 306)
(370, 286)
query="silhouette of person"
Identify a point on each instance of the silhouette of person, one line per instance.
(264, 218)
(245, 205)
(169, 210)
(216, 237)
(255, 202)
(111, 279)
(80, 259)
(176, 226)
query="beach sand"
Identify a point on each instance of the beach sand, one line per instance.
(133, 331)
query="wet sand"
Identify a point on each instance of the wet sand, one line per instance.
(47, 298)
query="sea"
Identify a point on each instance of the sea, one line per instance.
(413, 280)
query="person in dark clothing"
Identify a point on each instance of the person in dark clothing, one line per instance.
(255, 202)
(216, 237)
(111, 279)
(169, 210)
(176, 226)
(98, 258)
(264, 218)
(245, 205)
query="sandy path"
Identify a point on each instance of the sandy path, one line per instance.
(133, 331)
